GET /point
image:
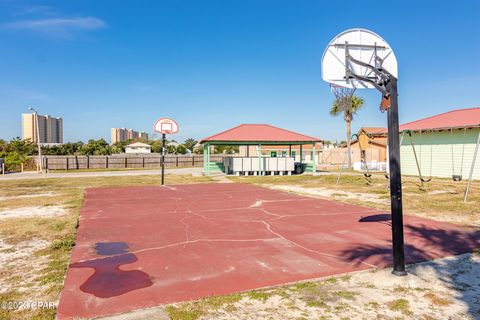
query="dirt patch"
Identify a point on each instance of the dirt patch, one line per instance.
(46, 211)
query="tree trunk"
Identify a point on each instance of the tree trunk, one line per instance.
(349, 155)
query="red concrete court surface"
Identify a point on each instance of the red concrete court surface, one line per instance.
(139, 247)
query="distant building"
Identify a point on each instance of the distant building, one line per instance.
(138, 147)
(50, 129)
(123, 134)
(445, 145)
(376, 143)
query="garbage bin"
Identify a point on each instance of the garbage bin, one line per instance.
(299, 168)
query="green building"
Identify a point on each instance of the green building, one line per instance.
(444, 144)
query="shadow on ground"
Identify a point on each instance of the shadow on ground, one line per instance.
(445, 243)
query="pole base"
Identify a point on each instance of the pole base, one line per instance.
(399, 273)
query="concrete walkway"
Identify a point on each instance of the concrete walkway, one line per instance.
(73, 174)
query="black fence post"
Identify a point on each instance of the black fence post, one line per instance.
(176, 163)
(106, 162)
(143, 162)
(88, 161)
(66, 158)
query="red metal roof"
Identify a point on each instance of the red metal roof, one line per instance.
(373, 130)
(259, 133)
(453, 119)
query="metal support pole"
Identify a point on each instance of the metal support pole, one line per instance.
(39, 146)
(395, 181)
(465, 196)
(163, 159)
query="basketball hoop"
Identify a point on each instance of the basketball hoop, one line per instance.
(165, 126)
(343, 96)
(385, 103)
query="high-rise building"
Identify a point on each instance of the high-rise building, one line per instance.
(118, 134)
(50, 129)
(123, 134)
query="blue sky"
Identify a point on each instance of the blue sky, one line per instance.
(214, 64)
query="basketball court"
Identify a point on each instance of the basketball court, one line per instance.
(139, 247)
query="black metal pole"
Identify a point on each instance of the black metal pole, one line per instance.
(395, 181)
(163, 159)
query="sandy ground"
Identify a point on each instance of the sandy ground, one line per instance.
(34, 195)
(446, 288)
(19, 265)
(23, 212)
(330, 193)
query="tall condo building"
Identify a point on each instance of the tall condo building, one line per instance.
(50, 129)
(123, 134)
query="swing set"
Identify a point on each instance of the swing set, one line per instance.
(457, 175)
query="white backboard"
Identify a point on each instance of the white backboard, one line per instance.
(362, 45)
(165, 126)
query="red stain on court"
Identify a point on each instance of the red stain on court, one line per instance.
(140, 247)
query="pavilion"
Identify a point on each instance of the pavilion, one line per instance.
(256, 135)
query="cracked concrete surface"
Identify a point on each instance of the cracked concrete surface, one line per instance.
(195, 241)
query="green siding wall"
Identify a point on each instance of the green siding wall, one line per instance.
(434, 152)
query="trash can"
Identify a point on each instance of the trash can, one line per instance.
(299, 168)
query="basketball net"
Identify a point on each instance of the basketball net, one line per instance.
(343, 95)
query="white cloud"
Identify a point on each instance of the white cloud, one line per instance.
(57, 27)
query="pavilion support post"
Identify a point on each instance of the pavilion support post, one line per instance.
(314, 159)
(290, 150)
(259, 155)
(204, 159)
(301, 153)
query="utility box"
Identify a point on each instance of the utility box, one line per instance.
(247, 164)
(271, 164)
(256, 164)
(237, 165)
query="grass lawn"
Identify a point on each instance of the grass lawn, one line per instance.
(34, 251)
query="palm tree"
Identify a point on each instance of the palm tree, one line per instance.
(336, 110)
